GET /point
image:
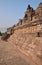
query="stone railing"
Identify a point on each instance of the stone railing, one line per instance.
(32, 23)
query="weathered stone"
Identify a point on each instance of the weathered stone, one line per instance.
(27, 34)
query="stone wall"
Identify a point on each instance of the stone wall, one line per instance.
(27, 40)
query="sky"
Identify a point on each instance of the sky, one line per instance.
(13, 10)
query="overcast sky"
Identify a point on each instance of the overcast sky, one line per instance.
(12, 10)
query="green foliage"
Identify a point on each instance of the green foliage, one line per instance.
(5, 36)
(0, 33)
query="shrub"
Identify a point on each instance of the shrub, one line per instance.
(0, 33)
(5, 36)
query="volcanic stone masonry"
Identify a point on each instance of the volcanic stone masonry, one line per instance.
(27, 34)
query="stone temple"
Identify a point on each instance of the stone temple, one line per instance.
(31, 22)
(26, 35)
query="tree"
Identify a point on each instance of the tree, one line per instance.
(0, 33)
